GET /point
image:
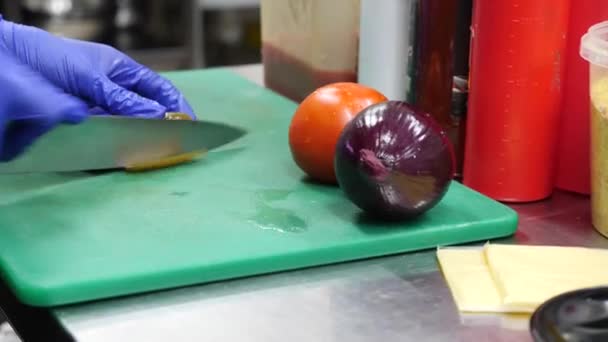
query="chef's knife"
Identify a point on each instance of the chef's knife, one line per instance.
(110, 142)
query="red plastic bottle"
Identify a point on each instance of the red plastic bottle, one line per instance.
(517, 49)
(573, 172)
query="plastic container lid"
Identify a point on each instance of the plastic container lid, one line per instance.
(578, 315)
(594, 44)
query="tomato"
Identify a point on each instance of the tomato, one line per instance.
(318, 121)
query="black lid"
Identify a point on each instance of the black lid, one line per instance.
(580, 315)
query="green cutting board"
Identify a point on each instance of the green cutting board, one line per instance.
(245, 209)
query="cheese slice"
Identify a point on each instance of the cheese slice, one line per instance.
(517, 279)
(527, 276)
(469, 279)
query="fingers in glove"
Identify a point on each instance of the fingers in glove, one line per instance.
(20, 134)
(30, 106)
(97, 110)
(37, 119)
(147, 83)
(120, 101)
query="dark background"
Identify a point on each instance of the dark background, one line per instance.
(163, 34)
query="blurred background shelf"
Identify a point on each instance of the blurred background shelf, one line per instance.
(162, 34)
(228, 4)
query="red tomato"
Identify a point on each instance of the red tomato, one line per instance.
(318, 122)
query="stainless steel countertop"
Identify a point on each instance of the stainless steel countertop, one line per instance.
(398, 298)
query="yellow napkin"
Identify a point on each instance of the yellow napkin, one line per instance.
(517, 279)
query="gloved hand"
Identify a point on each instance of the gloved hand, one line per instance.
(105, 79)
(30, 106)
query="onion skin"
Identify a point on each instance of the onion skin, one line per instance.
(394, 161)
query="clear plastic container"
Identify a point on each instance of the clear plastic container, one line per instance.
(308, 43)
(573, 173)
(594, 48)
(389, 26)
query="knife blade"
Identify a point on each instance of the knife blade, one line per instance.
(111, 142)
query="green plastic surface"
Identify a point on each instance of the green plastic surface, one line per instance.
(245, 209)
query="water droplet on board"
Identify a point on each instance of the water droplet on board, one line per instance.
(273, 194)
(278, 220)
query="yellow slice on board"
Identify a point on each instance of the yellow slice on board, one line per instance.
(165, 162)
(177, 116)
(169, 161)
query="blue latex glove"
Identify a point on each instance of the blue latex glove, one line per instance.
(105, 79)
(30, 106)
